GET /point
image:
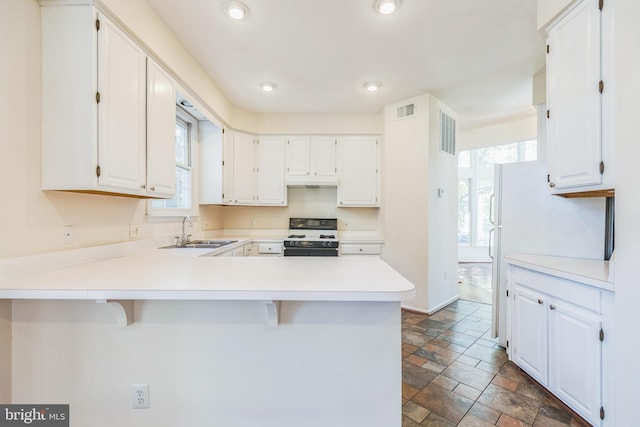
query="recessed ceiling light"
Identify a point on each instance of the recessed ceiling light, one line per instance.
(386, 7)
(372, 86)
(237, 10)
(268, 86)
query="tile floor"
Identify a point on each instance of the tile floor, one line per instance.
(474, 281)
(454, 374)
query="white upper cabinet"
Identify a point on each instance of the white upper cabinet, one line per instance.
(244, 179)
(298, 158)
(258, 170)
(270, 188)
(358, 166)
(161, 128)
(579, 147)
(121, 110)
(311, 160)
(94, 108)
(227, 166)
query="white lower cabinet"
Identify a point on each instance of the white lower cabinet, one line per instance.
(269, 249)
(575, 351)
(374, 249)
(529, 333)
(557, 337)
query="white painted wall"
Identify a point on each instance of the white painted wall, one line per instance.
(506, 132)
(627, 112)
(212, 363)
(419, 228)
(549, 9)
(442, 215)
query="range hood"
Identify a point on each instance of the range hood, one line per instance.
(312, 181)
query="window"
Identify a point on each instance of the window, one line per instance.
(182, 204)
(475, 186)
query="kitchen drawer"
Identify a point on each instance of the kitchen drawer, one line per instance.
(360, 249)
(269, 248)
(574, 292)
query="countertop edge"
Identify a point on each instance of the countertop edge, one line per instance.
(566, 268)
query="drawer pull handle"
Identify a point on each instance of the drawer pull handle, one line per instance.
(552, 307)
(540, 301)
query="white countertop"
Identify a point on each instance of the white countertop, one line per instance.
(183, 274)
(592, 272)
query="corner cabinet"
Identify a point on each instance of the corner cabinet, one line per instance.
(258, 170)
(558, 334)
(358, 171)
(579, 88)
(98, 91)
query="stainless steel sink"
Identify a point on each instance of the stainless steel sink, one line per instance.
(207, 244)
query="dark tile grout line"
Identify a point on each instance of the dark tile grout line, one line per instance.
(547, 407)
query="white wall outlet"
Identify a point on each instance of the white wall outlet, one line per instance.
(140, 396)
(134, 231)
(67, 235)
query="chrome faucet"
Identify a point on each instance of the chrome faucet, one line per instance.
(185, 238)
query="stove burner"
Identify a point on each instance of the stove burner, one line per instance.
(327, 236)
(296, 236)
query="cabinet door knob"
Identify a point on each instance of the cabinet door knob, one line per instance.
(540, 301)
(551, 184)
(143, 186)
(153, 189)
(552, 307)
(360, 249)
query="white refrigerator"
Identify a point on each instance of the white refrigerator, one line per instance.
(527, 219)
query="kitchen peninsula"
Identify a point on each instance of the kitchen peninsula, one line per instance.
(242, 341)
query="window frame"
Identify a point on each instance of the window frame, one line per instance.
(191, 123)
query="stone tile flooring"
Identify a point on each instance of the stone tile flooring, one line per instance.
(454, 374)
(474, 281)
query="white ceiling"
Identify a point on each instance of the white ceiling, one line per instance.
(477, 56)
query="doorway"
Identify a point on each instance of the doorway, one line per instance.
(475, 198)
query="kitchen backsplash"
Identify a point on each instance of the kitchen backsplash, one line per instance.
(302, 202)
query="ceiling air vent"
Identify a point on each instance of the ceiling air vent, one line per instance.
(406, 111)
(447, 134)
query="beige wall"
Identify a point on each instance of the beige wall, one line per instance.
(506, 132)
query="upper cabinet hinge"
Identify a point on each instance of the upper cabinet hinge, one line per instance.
(507, 343)
(98, 97)
(223, 163)
(98, 171)
(97, 25)
(548, 178)
(547, 48)
(600, 4)
(548, 114)
(601, 86)
(507, 292)
(602, 412)
(601, 335)
(601, 168)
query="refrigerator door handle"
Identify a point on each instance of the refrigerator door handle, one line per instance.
(491, 199)
(491, 240)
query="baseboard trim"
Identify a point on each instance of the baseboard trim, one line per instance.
(431, 310)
